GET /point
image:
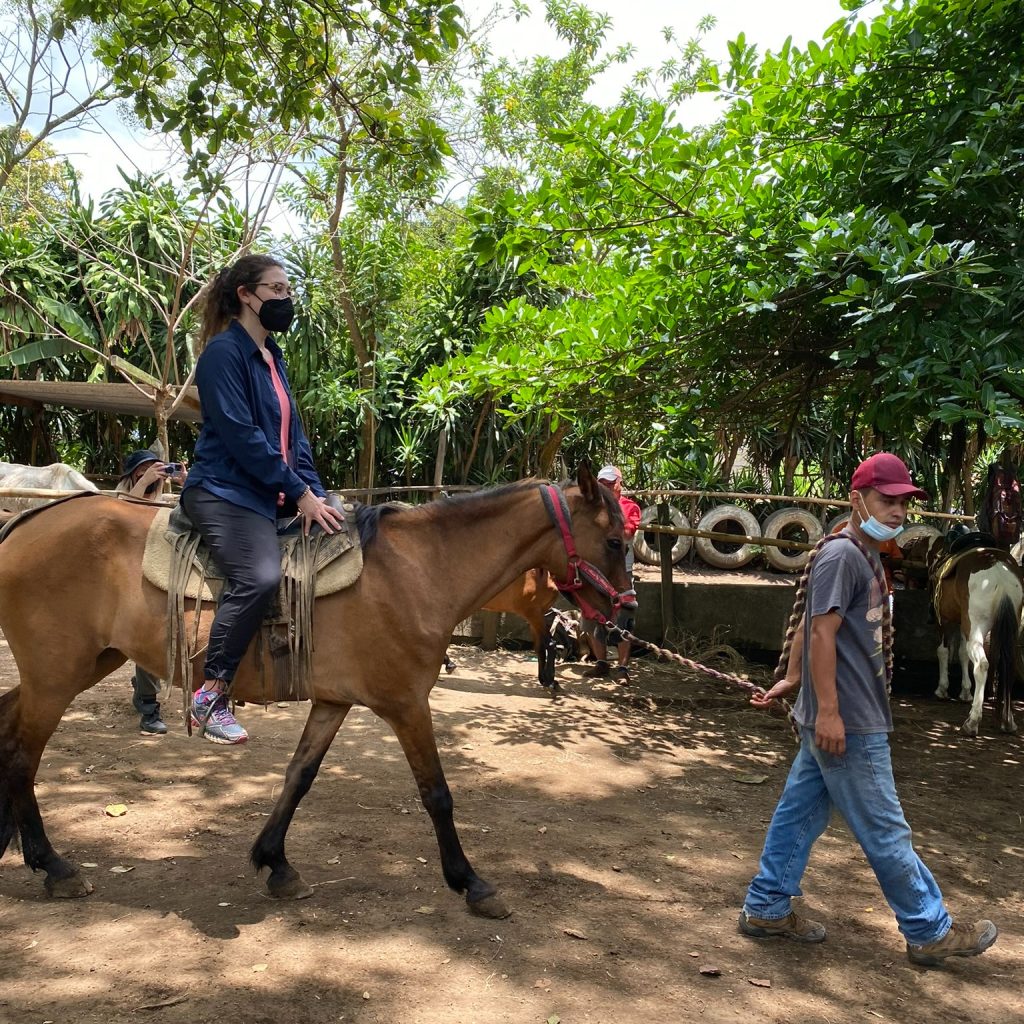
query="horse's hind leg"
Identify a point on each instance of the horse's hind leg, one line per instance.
(979, 661)
(268, 851)
(415, 731)
(942, 654)
(27, 720)
(966, 682)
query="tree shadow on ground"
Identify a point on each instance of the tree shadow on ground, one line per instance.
(632, 818)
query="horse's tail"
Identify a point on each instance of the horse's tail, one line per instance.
(9, 759)
(1004, 655)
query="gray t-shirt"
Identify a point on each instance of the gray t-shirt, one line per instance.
(843, 581)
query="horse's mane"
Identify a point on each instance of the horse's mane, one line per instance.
(471, 505)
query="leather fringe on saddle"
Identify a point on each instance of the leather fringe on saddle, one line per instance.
(294, 615)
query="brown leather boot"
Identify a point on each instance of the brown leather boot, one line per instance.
(960, 940)
(792, 926)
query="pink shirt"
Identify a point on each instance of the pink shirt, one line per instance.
(286, 410)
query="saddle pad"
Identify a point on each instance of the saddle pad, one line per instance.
(341, 572)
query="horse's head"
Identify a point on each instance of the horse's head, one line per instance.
(590, 521)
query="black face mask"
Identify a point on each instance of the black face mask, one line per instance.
(277, 314)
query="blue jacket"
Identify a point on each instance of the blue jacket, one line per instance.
(237, 455)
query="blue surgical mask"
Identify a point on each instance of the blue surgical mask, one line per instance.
(879, 531)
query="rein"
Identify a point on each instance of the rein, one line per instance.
(579, 571)
(799, 607)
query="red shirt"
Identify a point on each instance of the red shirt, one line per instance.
(631, 514)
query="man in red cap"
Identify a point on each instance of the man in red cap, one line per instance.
(838, 660)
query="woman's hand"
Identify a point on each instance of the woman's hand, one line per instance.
(179, 477)
(315, 509)
(150, 477)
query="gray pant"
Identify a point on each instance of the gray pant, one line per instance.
(243, 544)
(145, 687)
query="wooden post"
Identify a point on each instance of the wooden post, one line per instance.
(665, 545)
(442, 447)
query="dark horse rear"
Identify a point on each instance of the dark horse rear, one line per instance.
(1004, 659)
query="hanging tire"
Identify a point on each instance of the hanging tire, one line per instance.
(790, 524)
(728, 519)
(911, 533)
(835, 521)
(645, 543)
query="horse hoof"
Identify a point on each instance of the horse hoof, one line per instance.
(71, 888)
(290, 887)
(969, 728)
(489, 906)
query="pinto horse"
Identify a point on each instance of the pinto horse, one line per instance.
(977, 599)
(74, 606)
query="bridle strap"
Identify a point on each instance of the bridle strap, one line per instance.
(578, 570)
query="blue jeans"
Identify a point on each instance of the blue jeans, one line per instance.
(861, 786)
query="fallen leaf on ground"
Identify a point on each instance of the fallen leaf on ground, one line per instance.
(542, 983)
(573, 933)
(709, 971)
(422, 860)
(334, 860)
(424, 910)
(366, 995)
(88, 864)
(122, 869)
(542, 829)
(749, 780)
(282, 704)
(694, 953)
(760, 982)
(115, 810)
(554, 1020)
(259, 968)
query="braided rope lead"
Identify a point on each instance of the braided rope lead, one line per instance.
(800, 606)
(696, 666)
(795, 619)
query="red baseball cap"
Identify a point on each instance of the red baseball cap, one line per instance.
(887, 474)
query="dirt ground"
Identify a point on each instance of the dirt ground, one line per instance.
(621, 825)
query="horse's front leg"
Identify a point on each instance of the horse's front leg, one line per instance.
(979, 661)
(415, 731)
(268, 851)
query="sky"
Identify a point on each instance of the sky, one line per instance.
(109, 142)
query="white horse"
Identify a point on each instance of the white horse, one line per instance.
(56, 477)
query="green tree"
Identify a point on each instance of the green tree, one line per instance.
(827, 241)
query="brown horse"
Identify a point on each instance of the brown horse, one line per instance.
(977, 601)
(530, 597)
(74, 606)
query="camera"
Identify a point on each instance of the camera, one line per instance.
(172, 468)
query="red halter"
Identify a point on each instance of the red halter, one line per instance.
(578, 570)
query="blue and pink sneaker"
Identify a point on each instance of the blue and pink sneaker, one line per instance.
(211, 715)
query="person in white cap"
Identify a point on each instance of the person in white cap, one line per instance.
(599, 637)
